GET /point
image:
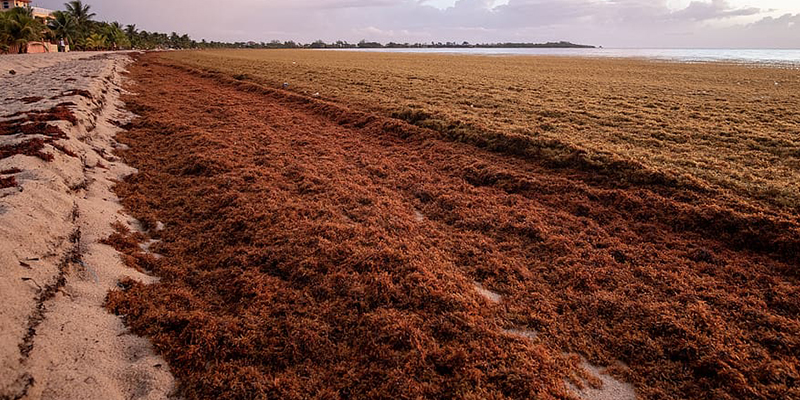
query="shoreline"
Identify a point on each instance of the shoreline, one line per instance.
(310, 245)
(600, 54)
(17, 61)
(57, 340)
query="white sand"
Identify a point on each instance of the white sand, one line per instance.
(26, 63)
(79, 351)
(491, 296)
(611, 389)
(522, 333)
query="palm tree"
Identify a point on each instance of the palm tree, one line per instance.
(83, 17)
(4, 36)
(96, 42)
(173, 40)
(19, 28)
(131, 30)
(79, 11)
(115, 36)
(132, 33)
(63, 25)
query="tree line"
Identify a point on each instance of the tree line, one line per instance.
(75, 25)
(364, 44)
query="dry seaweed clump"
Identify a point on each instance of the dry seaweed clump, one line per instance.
(130, 245)
(314, 251)
(35, 123)
(7, 182)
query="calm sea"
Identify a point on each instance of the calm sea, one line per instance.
(781, 57)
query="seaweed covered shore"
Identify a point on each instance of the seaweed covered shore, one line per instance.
(310, 249)
(728, 129)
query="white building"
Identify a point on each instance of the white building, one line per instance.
(40, 13)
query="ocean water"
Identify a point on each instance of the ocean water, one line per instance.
(789, 58)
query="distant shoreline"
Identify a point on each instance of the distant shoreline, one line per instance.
(339, 44)
(508, 45)
(775, 58)
(499, 46)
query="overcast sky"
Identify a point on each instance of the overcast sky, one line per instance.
(609, 23)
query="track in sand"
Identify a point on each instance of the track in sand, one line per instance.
(312, 251)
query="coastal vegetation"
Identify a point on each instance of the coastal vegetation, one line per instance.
(77, 27)
(17, 28)
(364, 44)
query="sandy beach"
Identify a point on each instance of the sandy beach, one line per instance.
(184, 225)
(432, 199)
(60, 113)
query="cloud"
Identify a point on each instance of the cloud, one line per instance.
(333, 4)
(622, 23)
(717, 9)
(769, 32)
